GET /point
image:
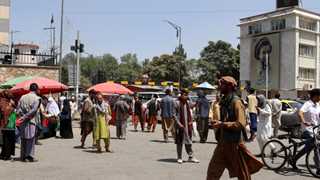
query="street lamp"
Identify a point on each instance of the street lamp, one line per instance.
(61, 39)
(179, 38)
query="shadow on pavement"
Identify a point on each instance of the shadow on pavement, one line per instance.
(170, 160)
(92, 151)
(291, 172)
(160, 141)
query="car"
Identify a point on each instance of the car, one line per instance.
(147, 96)
(290, 105)
(289, 116)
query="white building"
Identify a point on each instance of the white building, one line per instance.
(4, 23)
(292, 35)
(25, 54)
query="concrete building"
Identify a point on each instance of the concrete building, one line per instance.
(291, 38)
(4, 22)
(25, 54)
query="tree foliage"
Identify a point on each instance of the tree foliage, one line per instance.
(219, 59)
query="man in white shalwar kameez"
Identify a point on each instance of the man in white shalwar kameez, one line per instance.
(264, 131)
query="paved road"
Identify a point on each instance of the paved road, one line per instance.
(141, 156)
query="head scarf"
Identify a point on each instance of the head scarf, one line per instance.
(52, 107)
(262, 102)
(229, 80)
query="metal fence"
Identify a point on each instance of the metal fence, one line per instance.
(32, 59)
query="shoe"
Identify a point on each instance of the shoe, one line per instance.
(252, 137)
(193, 160)
(318, 172)
(180, 161)
(109, 151)
(30, 159)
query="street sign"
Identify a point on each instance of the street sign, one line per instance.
(72, 74)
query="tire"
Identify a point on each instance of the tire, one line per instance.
(274, 158)
(310, 163)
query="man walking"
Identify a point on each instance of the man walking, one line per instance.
(153, 107)
(276, 114)
(28, 110)
(252, 108)
(88, 117)
(138, 117)
(122, 114)
(167, 114)
(202, 114)
(183, 127)
(231, 153)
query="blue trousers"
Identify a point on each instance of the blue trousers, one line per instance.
(309, 144)
(253, 122)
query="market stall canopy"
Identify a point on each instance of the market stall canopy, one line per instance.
(46, 86)
(145, 88)
(205, 85)
(111, 88)
(12, 82)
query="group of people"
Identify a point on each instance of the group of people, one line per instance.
(95, 117)
(28, 118)
(228, 115)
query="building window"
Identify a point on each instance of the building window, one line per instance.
(307, 51)
(255, 29)
(307, 74)
(307, 24)
(278, 24)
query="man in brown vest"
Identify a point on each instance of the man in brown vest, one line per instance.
(231, 153)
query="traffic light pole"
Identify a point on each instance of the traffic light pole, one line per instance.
(78, 68)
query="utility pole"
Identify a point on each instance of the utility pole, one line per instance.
(78, 48)
(267, 75)
(78, 68)
(61, 40)
(52, 38)
(179, 38)
(12, 44)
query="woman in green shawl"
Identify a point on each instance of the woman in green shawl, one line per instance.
(8, 117)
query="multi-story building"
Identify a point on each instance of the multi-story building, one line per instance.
(289, 40)
(4, 22)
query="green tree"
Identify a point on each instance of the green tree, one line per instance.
(219, 59)
(129, 68)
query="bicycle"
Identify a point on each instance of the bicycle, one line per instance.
(275, 154)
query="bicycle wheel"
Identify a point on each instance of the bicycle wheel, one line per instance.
(313, 162)
(274, 155)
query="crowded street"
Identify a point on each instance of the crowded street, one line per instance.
(141, 156)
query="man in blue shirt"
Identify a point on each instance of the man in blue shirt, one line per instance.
(167, 114)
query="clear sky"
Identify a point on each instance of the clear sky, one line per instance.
(136, 26)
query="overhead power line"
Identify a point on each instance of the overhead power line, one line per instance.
(176, 12)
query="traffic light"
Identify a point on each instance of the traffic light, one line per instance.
(81, 48)
(77, 48)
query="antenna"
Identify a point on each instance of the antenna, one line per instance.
(301, 2)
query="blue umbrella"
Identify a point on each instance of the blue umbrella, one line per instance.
(206, 85)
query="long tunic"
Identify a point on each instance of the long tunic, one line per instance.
(101, 130)
(264, 125)
(183, 116)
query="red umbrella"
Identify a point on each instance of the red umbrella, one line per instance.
(46, 86)
(111, 88)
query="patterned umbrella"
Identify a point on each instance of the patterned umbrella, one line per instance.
(46, 86)
(111, 88)
(12, 82)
